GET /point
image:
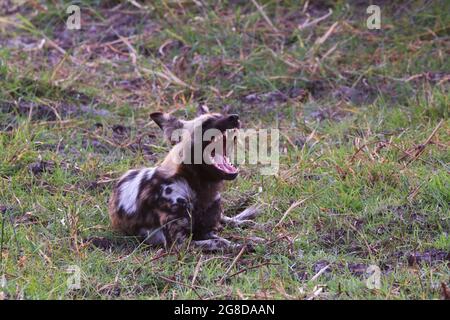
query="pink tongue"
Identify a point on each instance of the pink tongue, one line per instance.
(224, 165)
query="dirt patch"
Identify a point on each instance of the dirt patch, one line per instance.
(4, 209)
(319, 265)
(104, 37)
(100, 243)
(125, 247)
(31, 109)
(112, 290)
(402, 213)
(96, 145)
(333, 113)
(8, 124)
(8, 7)
(357, 269)
(272, 99)
(333, 238)
(120, 132)
(356, 96)
(27, 218)
(38, 111)
(429, 257)
(49, 91)
(41, 166)
(142, 142)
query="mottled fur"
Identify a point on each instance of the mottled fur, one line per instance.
(169, 204)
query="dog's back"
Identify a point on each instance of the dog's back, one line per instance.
(145, 200)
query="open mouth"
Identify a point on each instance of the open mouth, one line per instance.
(219, 158)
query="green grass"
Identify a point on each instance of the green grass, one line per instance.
(368, 202)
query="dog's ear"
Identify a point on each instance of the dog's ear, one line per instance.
(168, 124)
(202, 109)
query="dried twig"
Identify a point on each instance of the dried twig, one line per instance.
(318, 274)
(182, 284)
(419, 149)
(170, 77)
(292, 207)
(261, 11)
(253, 267)
(324, 38)
(232, 265)
(352, 158)
(316, 293)
(362, 237)
(197, 270)
(308, 24)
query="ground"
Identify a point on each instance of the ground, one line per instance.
(364, 145)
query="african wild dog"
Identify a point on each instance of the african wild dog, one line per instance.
(167, 204)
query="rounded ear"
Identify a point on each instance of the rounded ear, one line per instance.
(202, 109)
(160, 118)
(167, 123)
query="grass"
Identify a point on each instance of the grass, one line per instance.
(365, 140)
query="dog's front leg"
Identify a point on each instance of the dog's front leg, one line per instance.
(210, 242)
(221, 244)
(178, 231)
(153, 236)
(243, 219)
(215, 244)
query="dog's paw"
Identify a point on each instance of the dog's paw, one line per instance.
(249, 213)
(251, 243)
(232, 222)
(255, 240)
(216, 244)
(245, 223)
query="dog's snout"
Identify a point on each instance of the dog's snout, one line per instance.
(233, 118)
(181, 202)
(233, 121)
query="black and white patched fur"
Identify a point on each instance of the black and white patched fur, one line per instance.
(175, 202)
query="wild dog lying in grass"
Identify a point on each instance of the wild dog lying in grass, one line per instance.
(167, 204)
